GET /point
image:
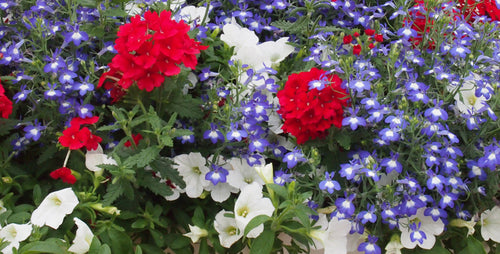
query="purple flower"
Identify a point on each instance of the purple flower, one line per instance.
(52, 93)
(280, 177)
(437, 112)
(387, 134)
(416, 234)
(258, 145)
(352, 120)
(235, 134)
(22, 95)
(370, 247)
(447, 199)
(74, 35)
(359, 85)
(369, 215)
(213, 134)
(345, 205)
(435, 181)
(84, 111)
(294, 157)
(34, 131)
(328, 184)
(349, 170)
(84, 86)
(392, 163)
(217, 175)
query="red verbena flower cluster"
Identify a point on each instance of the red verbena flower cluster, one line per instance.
(369, 40)
(473, 9)
(75, 137)
(309, 112)
(65, 174)
(150, 49)
(5, 103)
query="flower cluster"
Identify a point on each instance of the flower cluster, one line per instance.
(151, 48)
(310, 103)
(5, 103)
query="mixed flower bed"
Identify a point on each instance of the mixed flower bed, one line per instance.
(263, 126)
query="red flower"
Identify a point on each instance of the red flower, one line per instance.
(151, 48)
(65, 174)
(356, 50)
(92, 142)
(369, 32)
(136, 137)
(75, 138)
(472, 9)
(355, 34)
(379, 38)
(5, 103)
(371, 46)
(347, 39)
(309, 113)
(80, 121)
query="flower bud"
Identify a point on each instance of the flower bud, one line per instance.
(108, 209)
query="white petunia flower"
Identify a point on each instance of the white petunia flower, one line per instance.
(331, 237)
(465, 97)
(192, 167)
(227, 229)
(96, 157)
(54, 208)
(490, 224)
(14, 233)
(265, 172)
(428, 226)
(83, 238)
(193, 15)
(250, 204)
(236, 36)
(394, 246)
(243, 174)
(196, 233)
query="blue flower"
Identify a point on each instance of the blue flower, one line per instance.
(74, 35)
(370, 247)
(235, 134)
(294, 157)
(435, 180)
(437, 112)
(416, 234)
(328, 184)
(52, 93)
(352, 120)
(345, 205)
(369, 215)
(387, 134)
(349, 170)
(22, 95)
(213, 134)
(34, 131)
(217, 175)
(280, 177)
(392, 163)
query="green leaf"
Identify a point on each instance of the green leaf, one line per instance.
(140, 223)
(198, 217)
(119, 241)
(204, 247)
(293, 27)
(158, 237)
(104, 249)
(264, 243)
(278, 189)
(255, 222)
(472, 246)
(143, 158)
(154, 184)
(51, 245)
(95, 245)
(37, 195)
(344, 140)
(87, 3)
(138, 250)
(47, 153)
(113, 191)
(164, 167)
(186, 106)
(114, 12)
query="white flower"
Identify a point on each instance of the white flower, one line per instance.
(275, 51)
(192, 168)
(192, 14)
(2, 208)
(490, 224)
(430, 227)
(236, 36)
(333, 236)
(250, 204)
(54, 208)
(14, 233)
(132, 8)
(466, 100)
(243, 174)
(227, 229)
(196, 233)
(265, 172)
(83, 238)
(221, 192)
(96, 157)
(394, 246)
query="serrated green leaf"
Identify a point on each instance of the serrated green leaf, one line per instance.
(140, 223)
(181, 132)
(255, 222)
(292, 27)
(164, 167)
(166, 141)
(47, 153)
(109, 127)
(186, 106)
(154, 184)
(113, 191)
(263, 244)
(344, 141)
(143, 158)
(114, 12)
